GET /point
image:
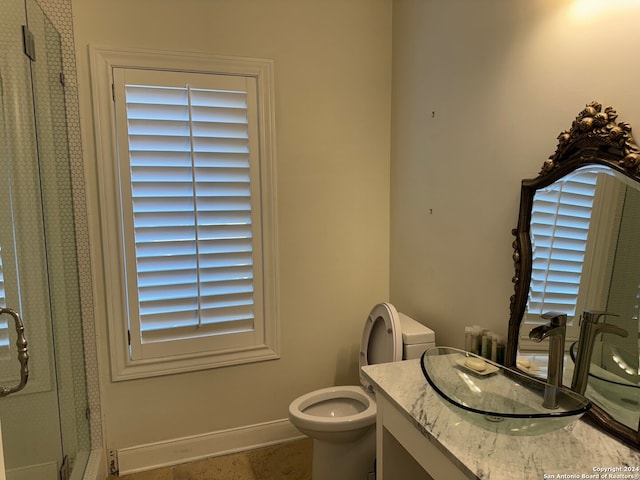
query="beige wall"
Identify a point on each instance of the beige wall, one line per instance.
(480, 92)
(503, 79)
(333, 87)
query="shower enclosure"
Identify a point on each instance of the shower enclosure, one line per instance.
(45, 427)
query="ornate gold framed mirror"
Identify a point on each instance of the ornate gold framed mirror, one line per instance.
(577, 248)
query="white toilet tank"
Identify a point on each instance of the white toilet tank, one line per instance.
(416, 338)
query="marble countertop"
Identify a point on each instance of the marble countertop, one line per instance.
(577, 451)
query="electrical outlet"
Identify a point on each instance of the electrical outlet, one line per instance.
(113, 462)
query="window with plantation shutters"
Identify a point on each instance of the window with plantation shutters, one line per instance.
(192, 185)
(560, 220)
(563, 248)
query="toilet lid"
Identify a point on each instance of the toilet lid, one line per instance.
(381, 337)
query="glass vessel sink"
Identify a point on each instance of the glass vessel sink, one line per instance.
(497, 398)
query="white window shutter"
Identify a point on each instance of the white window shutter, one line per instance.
(189, 182)
(560, 225)
(560, 220)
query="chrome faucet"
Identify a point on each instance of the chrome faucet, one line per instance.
(555, 330)
(589, 329)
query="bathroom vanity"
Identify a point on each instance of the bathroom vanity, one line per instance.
(420, 437)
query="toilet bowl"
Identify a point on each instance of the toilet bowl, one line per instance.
(341, 420)
(322, 414)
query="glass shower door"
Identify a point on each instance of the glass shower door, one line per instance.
(30, 419)
(60, 241)
(44, 427)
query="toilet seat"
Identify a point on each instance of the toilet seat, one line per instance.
(381, 338)
(329, 422)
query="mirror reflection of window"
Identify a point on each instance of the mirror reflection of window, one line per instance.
(569, 224)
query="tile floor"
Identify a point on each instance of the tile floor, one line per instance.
(287, 461)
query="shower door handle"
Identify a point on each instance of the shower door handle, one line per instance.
(23, 354)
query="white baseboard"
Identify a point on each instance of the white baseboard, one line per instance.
(197, 447)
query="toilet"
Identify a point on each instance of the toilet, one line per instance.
(341, 420)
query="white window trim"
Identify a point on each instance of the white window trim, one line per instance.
(103, 60)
